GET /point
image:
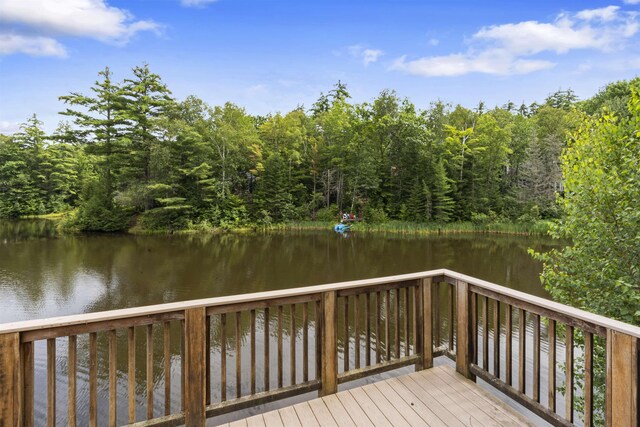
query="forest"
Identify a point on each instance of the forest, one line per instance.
(130, 154)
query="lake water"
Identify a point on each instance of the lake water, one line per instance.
(44, 275)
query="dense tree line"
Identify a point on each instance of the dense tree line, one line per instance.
(131, 152)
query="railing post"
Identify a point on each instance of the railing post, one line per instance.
(195, 367)
(329, 350)
(622, 380)
(424, 330)
(10, 382)
(463, 331)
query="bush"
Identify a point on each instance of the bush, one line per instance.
(375, 215)
(327, 214)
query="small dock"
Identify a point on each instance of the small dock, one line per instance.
(434, 397)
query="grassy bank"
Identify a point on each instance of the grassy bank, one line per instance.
(410, 228)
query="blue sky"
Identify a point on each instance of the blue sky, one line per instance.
(272, 55)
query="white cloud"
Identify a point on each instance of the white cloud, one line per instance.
(34, 46)
(9, 128)
(367, 56)
(510, 48)
(77, 18)
(434, 42)
(631, 1)
(196, 3)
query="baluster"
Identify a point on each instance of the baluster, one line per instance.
(588, 379)
(292, 343)
(496, 338)
(253, 351)
(356, 331)
(238, 356)
(436, 315)
(93, 379)
(279, 346)
(387, 325)
(183, 380)
(451, 321)
(474, 328)
(131, 373)
(397, 322)
(522, 351)
(223, 357)
(378, 325)
(367, 328)
(166, 350)
(485, 334)
(508, 326)
(149, 372)
(267, 378)
(305, 342)
(113, 392)
(207, 359)
(568, 398)
(551, 332)
(345, 343)
(27, 362)
(407, 338)
(536, 358)
(318, 337)
(71, 379)
(51, 382)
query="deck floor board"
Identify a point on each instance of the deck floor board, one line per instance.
(434, 397)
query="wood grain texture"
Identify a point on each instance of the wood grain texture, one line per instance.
(195, 349)
(329, 344)
(622, 379)
(463, 354)
(72, 361)
(9, 379)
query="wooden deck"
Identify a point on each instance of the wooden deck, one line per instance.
(433, 397)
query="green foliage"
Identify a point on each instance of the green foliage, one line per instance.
(98, 212)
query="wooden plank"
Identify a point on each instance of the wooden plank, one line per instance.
(10, 384)
(289, 417)
(252, 339)
(396, 322)
(358, 416)
(27, 363)
(329, 344)
(378, 315)
(496, 408)
(195, 354)
(337, 410)
(93, 379)
(463, 354)
(536, 358)
(473, 328)
(207, 332)
(405, 316)
(292, 343)
(238, 355)
(522, 351)
(551, 333)
(239, 423)
(183, 369)
(256, 421)
(496, 338)
(149, 371)
(113, 380)
(436, 313)
(306, 416)
(368, 371)
(223, 357)
(318, 338)
(72, 360)
(51, 382)
(429, 410)
(622, 380)
(377, 399)
(272, 419)
(267, 362)
(414, 415)
(377, 417)
(305, 342)
(568, 396)
(446, 409)
(131, 374)
(323, 414)
(587, 392)
(508, 326)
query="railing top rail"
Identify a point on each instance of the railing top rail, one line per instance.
(150, 310)
(553, 306)
(88, 318)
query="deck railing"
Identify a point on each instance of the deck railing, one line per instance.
(290, 342)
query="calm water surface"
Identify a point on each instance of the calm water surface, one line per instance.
(44, 275)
